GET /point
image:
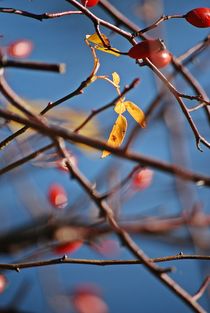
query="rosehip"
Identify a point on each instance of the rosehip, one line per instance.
(57, 196)
(89, 3)
(161, 58)
(20, 48)
(69, 247)
(142, 179)
(199, 17)
(146, 48)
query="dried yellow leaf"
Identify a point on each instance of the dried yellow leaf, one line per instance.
(120, 107)
(116, 78)
(117, 134)
(136, 113)
(97, 40)
(99, 44)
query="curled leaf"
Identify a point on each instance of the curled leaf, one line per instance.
(97, 40)
(102, 43)
(117, 134)
(136, 113)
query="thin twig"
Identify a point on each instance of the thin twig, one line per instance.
(66, 260)
(158, 22)
(39, 17)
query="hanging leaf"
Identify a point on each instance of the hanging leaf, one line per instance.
(99, 44)
(97, 40)
(136, 113)
(117, 134)
(116, 78)
(120, 107)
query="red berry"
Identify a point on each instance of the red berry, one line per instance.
(142, 179)
(89, 3)
(199, 17)
(20, 48)
(146, 48)
(161, 58)
(57, 196)
(69, 247)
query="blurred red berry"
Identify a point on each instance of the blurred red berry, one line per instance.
(142, 179)
(146, 48)
(69, 247)
(199, 17)
(3, 283)
(57, 196)
(161, 58)
(87, 299)
(108, 248)
(20, 48)
(89, 3)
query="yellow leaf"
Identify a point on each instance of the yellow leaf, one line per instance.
(117, 134)
(136, 113)
(116, 78)
(120, 107)
(99, 44)
(97, 40)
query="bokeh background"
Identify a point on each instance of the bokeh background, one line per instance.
(23, 192)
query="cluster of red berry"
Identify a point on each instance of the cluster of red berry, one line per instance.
(154, 48)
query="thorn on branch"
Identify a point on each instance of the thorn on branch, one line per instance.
(198, 143)
(63, 258)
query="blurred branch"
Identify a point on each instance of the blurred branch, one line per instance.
(25, 159)
(30, 65)
(202, 289)
(79, 90)
(138, 158)
(106, 212)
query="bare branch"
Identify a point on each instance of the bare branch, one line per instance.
(66, 260)
(39, 17)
